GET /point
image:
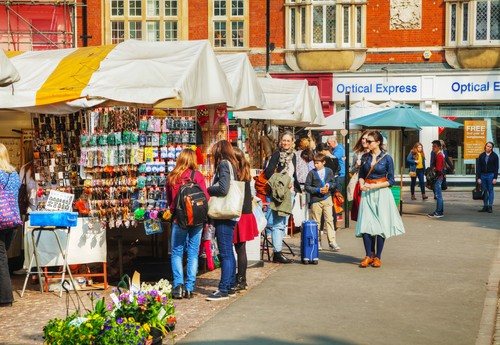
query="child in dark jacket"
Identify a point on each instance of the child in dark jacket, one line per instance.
(320, 184)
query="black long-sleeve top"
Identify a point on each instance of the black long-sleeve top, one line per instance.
(222, 180)
(275, 166)
(484, 168)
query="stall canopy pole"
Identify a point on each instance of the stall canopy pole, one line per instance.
(268, 33)
(346, 139)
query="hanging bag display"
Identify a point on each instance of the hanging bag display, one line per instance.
(478, 193)
(230, 205)
(9, 208)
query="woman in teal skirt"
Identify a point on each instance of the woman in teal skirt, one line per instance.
(378, 216)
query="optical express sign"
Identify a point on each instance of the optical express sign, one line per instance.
(481, 87)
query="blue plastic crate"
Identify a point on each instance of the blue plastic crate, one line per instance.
(56, 218)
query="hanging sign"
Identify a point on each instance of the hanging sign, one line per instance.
(474, 138)
(59, 201)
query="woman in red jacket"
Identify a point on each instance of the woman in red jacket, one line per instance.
(190, 237)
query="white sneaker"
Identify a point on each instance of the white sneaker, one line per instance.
(335, 247)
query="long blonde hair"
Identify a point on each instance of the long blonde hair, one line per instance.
(185, 161)
(5, 160)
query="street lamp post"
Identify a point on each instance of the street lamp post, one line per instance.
(345, 133)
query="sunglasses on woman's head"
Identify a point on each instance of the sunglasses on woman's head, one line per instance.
(370, 141)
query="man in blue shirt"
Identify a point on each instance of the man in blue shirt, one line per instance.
(339, 152)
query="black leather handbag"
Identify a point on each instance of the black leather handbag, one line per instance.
(477, 193)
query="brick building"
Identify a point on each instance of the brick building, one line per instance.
(442, 56)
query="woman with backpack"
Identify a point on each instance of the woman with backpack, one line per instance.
(246, 228)
(226, 169)
(185, 171)
(10, 220)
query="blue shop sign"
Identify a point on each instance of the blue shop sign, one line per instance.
(378, 88)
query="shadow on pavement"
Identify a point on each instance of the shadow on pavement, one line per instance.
(317, 340)
(339, 258)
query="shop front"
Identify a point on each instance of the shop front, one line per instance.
(470, 98)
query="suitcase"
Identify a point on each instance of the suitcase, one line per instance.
(309, 242)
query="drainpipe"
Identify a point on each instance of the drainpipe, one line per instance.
(268, 33)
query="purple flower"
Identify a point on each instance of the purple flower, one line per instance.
(109, 306)
(153, 293)
(124, 297)
(107, 328)
(141, 299)
(119, 321)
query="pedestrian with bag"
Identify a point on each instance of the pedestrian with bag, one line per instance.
(378, 217)
(486, 175)
(320, 184)
(283, 164)
(10, 219)
(438, 167)
(186, 184)
(246, 228)
(226, 165)
(353, 188)
(416, 161)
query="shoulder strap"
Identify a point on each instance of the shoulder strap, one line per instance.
(192, 175)
(373, 166)
(231, 172)
(320, 180)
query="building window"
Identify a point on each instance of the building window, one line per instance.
(117, 8)
(473, 22)
(151, 20)
(170, 8)
(453, 23)
(326, 23)
(153, 31)
(134, 8)
(170, 30)
(117, 32)
(135, 30)
(228, 23)
(153, 8)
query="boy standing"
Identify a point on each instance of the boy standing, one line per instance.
(320, 184)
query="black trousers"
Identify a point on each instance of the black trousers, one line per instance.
(6, 296)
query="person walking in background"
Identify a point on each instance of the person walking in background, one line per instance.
(184, 238)
(320, 184)
(438, 167)
(246, 228)
(338, 151)
(487, 174)
(226, 163)
(10, 184)
(416, 160)
(283, 162)
(359, 150)
(302, 162)
(378, 217)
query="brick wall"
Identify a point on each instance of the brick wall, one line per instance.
(378, 33)
(198, 20)
(94, 23)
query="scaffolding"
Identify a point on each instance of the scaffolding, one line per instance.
(37, 25)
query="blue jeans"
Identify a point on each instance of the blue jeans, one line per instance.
(439, 197)
(276, 224)
(421, 184)
(487, 186)
(224, 230)
(182, 238)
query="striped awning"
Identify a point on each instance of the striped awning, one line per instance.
(185, 73)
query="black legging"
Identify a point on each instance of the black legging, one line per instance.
(369, 242)
(241, 251)
(6, 296)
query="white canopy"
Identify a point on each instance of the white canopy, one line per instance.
(287, 102)
(131, 72)
(246, 89)
(319, 119)
(8, 73)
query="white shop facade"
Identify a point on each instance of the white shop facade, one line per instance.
(460, 96)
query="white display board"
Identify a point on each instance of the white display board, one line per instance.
(87, 244)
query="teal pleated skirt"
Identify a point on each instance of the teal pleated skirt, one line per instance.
(378, 214)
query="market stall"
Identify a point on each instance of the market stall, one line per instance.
(115, 155)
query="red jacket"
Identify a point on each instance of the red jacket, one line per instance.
(185, 176)
(439, 164)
